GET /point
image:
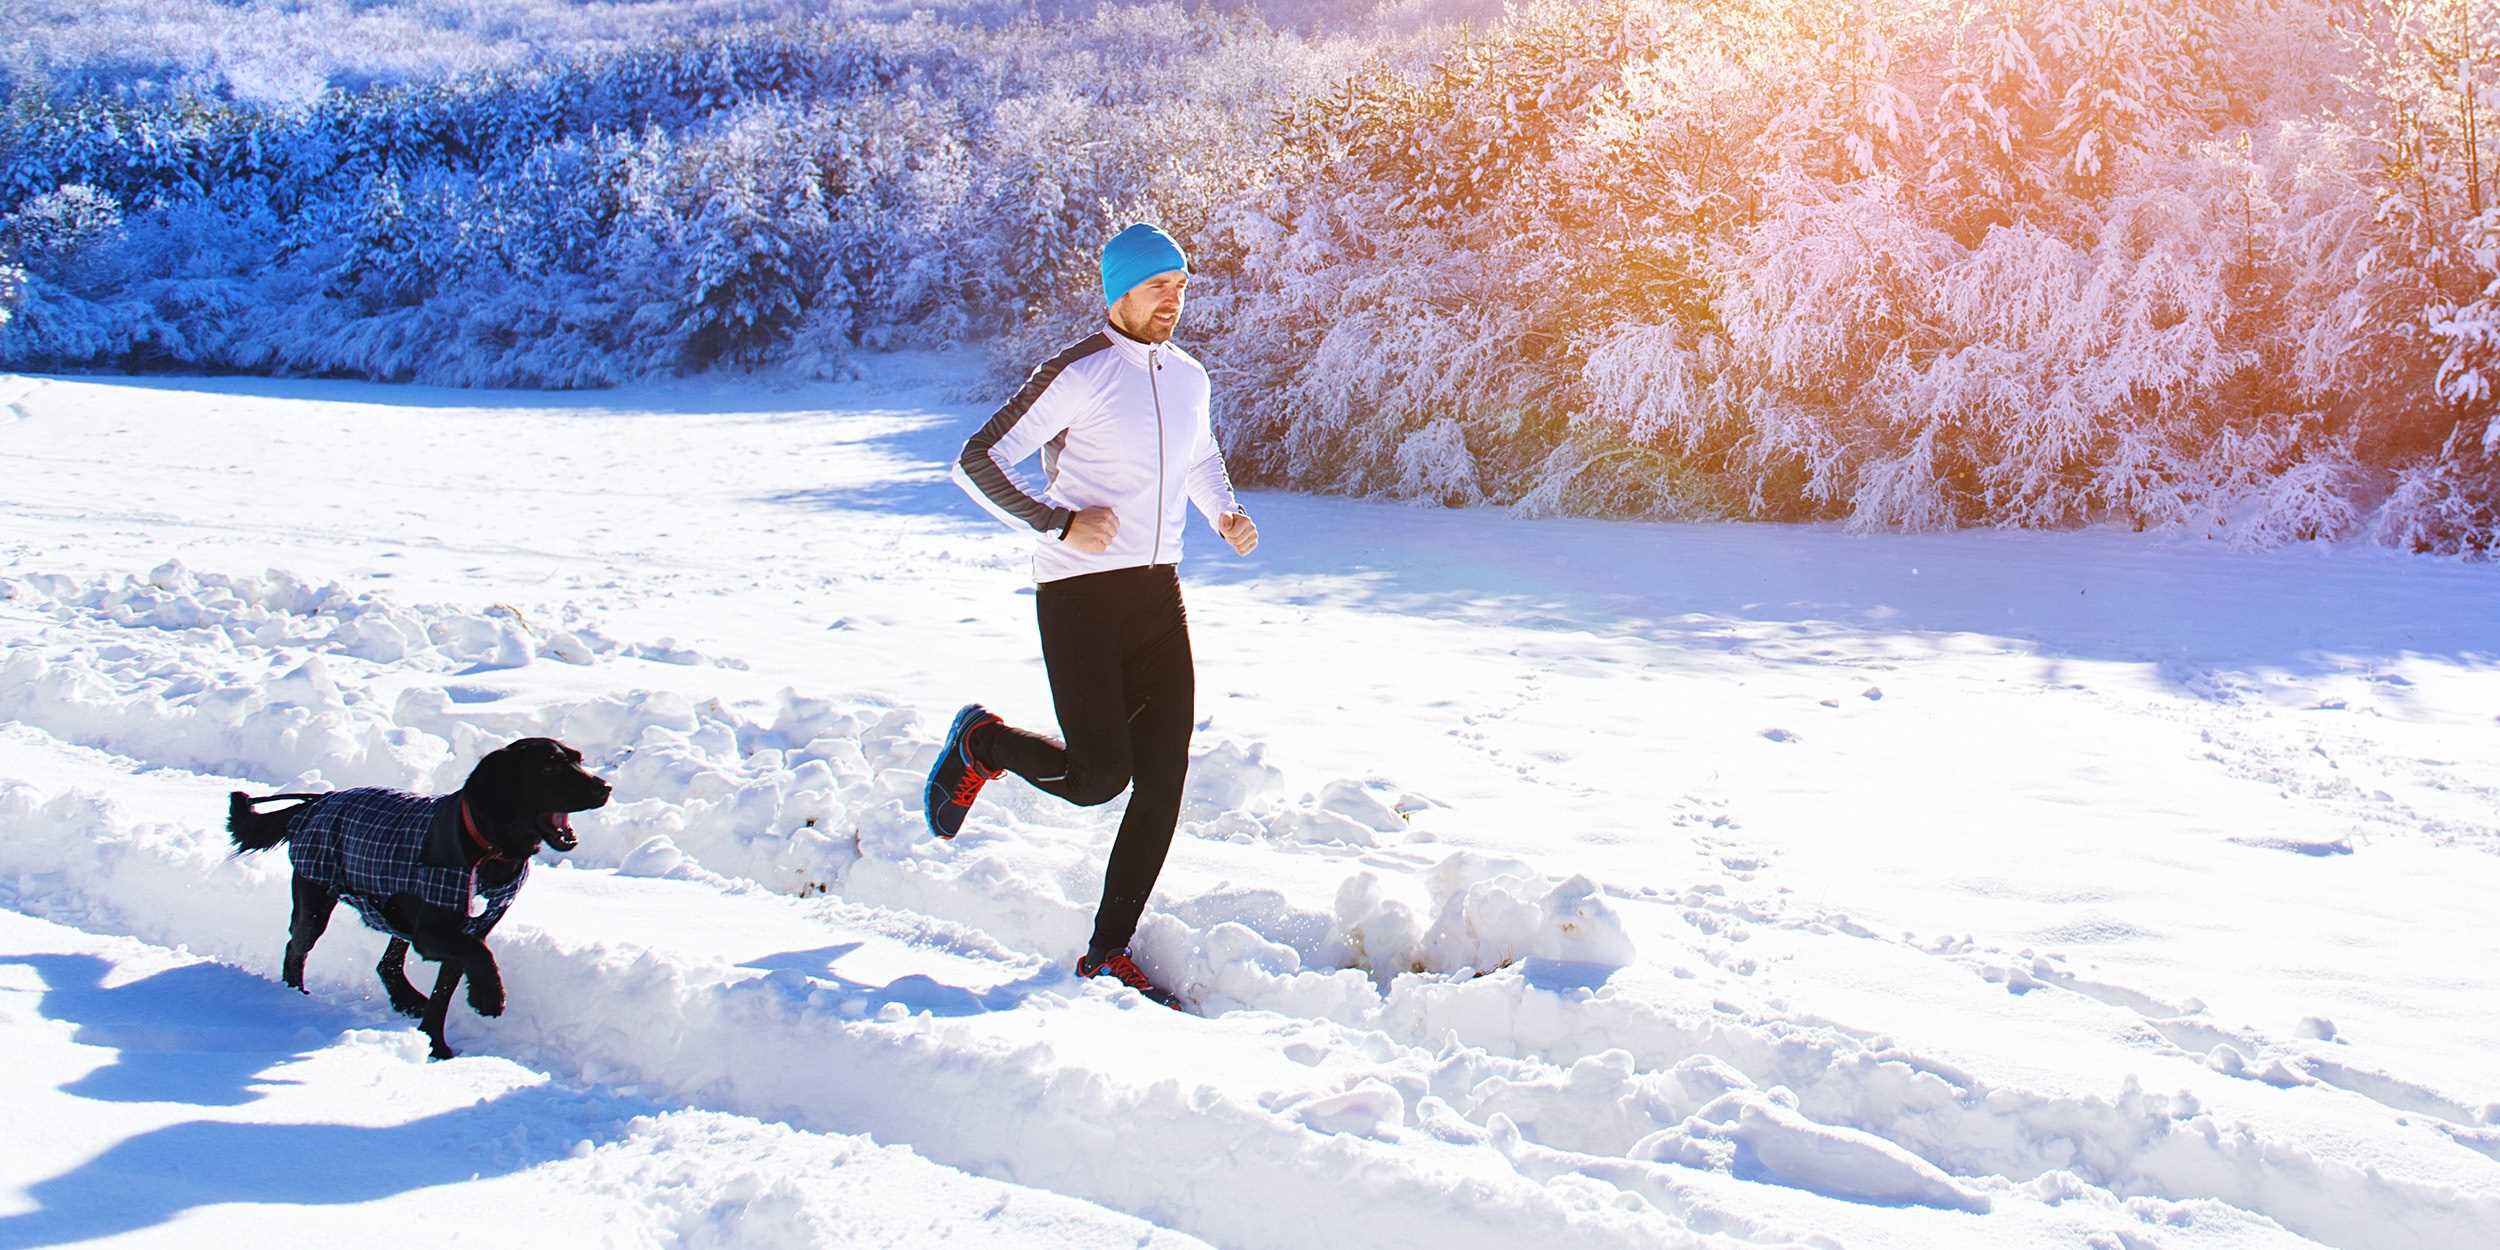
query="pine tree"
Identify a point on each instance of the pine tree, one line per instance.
(382, 266)
(755, 236)
(1988, 124)
(2108, 100)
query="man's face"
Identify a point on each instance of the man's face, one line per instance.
(1152, 307)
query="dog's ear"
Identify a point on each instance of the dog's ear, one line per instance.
(491, 783)
(499, 791)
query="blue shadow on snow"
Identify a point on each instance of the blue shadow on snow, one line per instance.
(201, 1035)
(915, 992)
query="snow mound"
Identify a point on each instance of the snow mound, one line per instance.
(1235, 795)
(1760, 1134)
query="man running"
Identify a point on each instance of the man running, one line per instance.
(1121, 422)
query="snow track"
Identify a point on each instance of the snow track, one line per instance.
(787, 1046)
(258, 1103)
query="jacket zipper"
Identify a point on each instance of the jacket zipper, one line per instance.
(1154, 365)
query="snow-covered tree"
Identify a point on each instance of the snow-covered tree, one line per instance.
(2227, 266)
(53, 231)
(2109, 102)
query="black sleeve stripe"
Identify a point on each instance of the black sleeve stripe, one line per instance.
(984, 470)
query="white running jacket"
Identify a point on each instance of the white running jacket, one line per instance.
(1120, 424)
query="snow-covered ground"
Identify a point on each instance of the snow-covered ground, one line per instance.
(1563, 883)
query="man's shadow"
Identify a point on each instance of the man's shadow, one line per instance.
(916, 992)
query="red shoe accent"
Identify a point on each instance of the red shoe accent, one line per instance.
(1126, 969)
(976, 775)
(969, 786)
(1129, 974)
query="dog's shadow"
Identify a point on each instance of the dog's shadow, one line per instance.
(915, 992)
(202, 1035)
(148, 1180)
(199, 1034)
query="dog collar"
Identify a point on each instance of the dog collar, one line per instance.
(469, 827)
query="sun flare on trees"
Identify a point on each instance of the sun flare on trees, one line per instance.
(2217, 267)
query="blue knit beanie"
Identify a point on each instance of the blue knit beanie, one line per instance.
(1134, 255)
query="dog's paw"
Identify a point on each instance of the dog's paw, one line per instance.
(438, 1052)
(486, 998)
(407, 1001)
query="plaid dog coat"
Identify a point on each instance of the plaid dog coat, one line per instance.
(369, 844)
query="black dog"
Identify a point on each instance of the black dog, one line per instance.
(434, 873)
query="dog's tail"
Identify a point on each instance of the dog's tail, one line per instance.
(256, 830)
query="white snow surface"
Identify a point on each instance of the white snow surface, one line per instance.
(1540, 883)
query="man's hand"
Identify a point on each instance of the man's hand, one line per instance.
(1239, 530)
(1093, 530)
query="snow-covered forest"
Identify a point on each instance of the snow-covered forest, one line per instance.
(2174, 264)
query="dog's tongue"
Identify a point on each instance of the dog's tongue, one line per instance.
(563, 821)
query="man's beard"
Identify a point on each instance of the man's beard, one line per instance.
(1152, 329)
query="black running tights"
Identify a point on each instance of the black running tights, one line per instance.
(1117, 647)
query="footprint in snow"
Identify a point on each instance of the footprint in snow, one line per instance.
(2315, 845)
(1779, 735)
